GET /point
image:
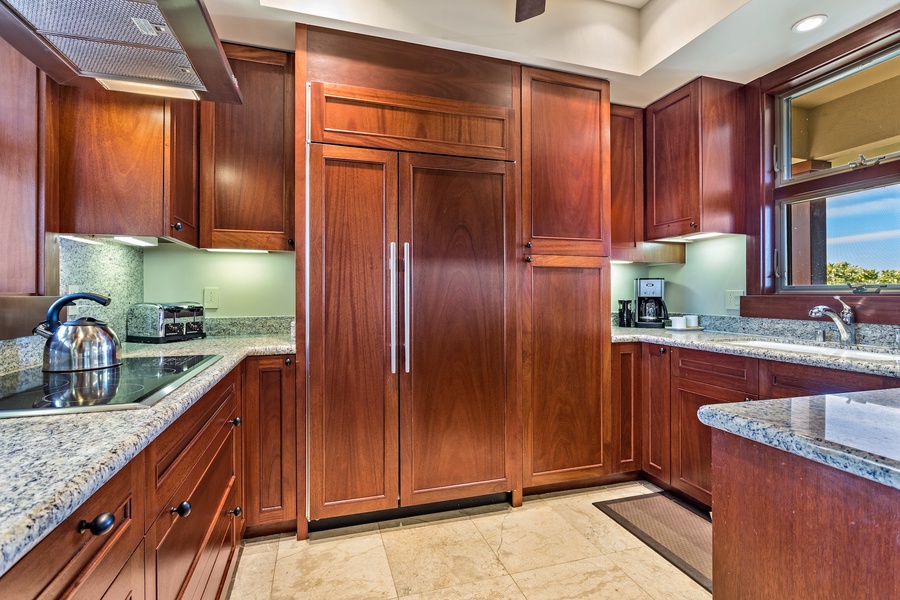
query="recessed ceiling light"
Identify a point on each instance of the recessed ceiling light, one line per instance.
(810, 23)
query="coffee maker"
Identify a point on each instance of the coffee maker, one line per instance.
(650, 307)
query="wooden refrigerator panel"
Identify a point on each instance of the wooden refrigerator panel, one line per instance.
(353, 441)
(453, 408)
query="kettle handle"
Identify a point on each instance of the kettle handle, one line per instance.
(53, 311)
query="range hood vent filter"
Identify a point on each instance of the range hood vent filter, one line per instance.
(160, 42)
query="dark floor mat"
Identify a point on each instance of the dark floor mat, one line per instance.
(676, 530)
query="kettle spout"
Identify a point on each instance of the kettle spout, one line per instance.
(42, 331)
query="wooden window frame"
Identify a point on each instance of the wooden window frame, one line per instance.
(763, 299)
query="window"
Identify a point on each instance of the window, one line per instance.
(838, 224)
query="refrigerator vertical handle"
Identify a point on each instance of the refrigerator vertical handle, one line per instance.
(393, 269)
(407, 290)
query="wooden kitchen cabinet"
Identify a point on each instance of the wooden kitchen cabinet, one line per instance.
(625, 389)
(691, 470)
(247, 156)
(74, 562)
(565, 164)
(787, 380)
(694, 160)
(566, 369)
(142, 180)
(408, 365)
(270, 444)
(197, 531)
(656, 412)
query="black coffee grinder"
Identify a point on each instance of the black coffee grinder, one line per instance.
(626, 317)
(651, 309)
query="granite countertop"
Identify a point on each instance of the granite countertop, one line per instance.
(855, 432)
(713, 341)
(52, 464)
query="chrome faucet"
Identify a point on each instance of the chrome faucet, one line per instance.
(844, 320)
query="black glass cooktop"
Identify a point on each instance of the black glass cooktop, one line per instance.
(137, 383)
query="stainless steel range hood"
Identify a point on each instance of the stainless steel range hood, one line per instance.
(164, 43)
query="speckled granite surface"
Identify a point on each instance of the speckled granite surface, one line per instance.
(52, 464)
(715, 341)
(858, 433)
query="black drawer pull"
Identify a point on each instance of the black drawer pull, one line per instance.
(101, 525)
(182, 510)
(236, 511)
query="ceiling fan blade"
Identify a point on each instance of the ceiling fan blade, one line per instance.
(526, 9)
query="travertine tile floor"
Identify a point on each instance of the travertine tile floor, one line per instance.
(555, 546)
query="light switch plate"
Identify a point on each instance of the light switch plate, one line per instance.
(211, 297)
(733, 299)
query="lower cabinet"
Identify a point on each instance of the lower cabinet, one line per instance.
(270, 444)
(786, 380)
(128, 584)
(655, 412)
(625, 389)
(566, 367)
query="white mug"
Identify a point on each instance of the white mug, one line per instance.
(692, 320)
(679, 322)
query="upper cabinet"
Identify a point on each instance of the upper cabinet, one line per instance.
(247, 156)
(694, 159)
(565, 164)
(626, 141)
(127, 164)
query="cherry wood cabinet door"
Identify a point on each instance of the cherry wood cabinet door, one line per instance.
(565, 163)
(691, 439)
(626, 139)
(625, 389)
(656, 411)
(566, 366)
(247, 156)
(181, 219)
(786, 380)
(128, 584)
(353, 357)
(454, 417)
(270, 443)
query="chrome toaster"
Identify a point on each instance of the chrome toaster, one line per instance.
(153, 323)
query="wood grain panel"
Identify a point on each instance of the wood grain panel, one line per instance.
(722, 125)
(391, 120)
(565, 163)
(128, 584)
(21, 228)
(625, 392)
(868, 308)
(730, 371)
(378, 63)
(786, 380)
(181, 179)
(772, 509)
(453, 412)
(270, 456)
(567, 366)
(692, 440)
(626, 156)
(656, 412)
(247, 156)
(353, 437)
(673, 159)
(115, 187)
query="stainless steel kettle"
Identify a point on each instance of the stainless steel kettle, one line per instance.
(78, 345)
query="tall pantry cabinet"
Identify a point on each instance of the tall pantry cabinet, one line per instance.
(566, 243)
(412, 320)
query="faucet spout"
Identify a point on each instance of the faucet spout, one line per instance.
(843, 320)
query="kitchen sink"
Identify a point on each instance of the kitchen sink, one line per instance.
(818, 350)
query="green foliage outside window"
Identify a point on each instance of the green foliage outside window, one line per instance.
(842, 273)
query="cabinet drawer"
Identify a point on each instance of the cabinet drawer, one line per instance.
(174, 453)
(67, 562)
(787, 380)
(740, 373)
(179, 558)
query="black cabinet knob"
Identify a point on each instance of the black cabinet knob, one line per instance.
(693, 225)
(528, 244)
(287, 361)
(747, 399)
(177, 226)
(291, 242)
(236, 511)
(182, 510)
(527, 259)
(236, 421)
(662, 350)
(101, 525)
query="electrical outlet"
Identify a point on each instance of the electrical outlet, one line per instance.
(733, 299)
(211, 297)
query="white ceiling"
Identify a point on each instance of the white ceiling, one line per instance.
(646, 48)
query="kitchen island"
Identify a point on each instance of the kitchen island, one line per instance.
(806, 498)
(52, 464)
